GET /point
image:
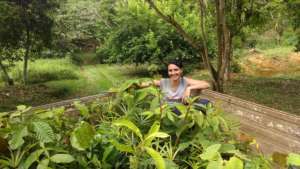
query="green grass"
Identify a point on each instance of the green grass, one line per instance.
(43, 70)
(91, 79)
(278, 51)
(277, 92)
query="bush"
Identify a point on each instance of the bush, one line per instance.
(87, 58)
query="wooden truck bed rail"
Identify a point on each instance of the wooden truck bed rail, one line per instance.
(274, 130)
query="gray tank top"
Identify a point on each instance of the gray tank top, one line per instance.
(169, 95)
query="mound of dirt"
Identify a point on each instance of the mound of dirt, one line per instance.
(259, 65)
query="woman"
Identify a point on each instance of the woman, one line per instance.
(177, 88)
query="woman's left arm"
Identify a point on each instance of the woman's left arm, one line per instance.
(193, 84)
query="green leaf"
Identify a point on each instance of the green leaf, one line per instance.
(130, 125)
(107, 151)
(43, 132)
(130, 100)
(234, 163)
(153, 129)
(84, 111)
(171, 164)
(211, 152)
(17, 137)
(198, 117)
(223, 124)
(154, 104)
(215, 165)
(159, 161)
(225, 148)
(43, 164)
(183, 146)
(143, 93)
(59, 111)
(82, 136)
(182, 108)
(170, 116)
(45, 115)
(293, 159)
(21, 108)
(122, 147)
(62, 158)
(149, 138)
(149, 114)
(34, 156)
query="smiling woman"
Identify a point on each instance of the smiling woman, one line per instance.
(176, 87)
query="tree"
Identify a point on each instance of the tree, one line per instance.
(201, 45)
(9, 38)
(34, 27)
(133, 34)
(77, 24)
(242, 11)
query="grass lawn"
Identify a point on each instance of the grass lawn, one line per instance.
(280, 92)
(58, 79)
(277, 92)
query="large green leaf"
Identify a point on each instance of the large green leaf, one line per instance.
(129, 99)
(153, 129)
(143, 93)
(234, 163)
(82, 136)
(154, 103)
(62, 158)
(215, 165)
(150, 137)
(159, 161)
(227, 148)
(43, 164)
(130, 125)
(122, 147)
(17, 137)
(211, 152)
(43, 132)
(182, 109)
(293, 159)
(199, 119)
(33, 157)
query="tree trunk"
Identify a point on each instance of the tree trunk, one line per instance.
(8, 80)
(204, 51)
(223, 34)
(228, 71)
(26, 57)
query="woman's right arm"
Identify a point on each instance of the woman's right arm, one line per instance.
(149, 83)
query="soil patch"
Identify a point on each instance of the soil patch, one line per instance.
(257, 64)
(32, 95)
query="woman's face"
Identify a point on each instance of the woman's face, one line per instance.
(174, 72)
